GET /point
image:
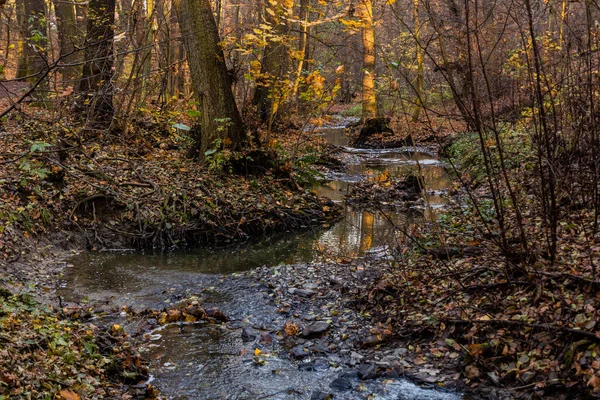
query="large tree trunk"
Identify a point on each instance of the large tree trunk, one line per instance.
(68, 36)
(37, 41)
(210, 79)
(369, 102)
(96, 86)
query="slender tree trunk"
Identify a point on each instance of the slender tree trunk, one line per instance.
(68, 36)
(302, 42)
(369, 102)
(210, 79)
(22, 47)
(96, 86)
(150, 26)
(420, 74)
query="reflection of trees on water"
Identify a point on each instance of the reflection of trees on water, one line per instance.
(361, 231)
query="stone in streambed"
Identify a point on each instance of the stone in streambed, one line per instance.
(341, 384)
(248, 334)
(367, 371)
(300, 352)
(302, 292)
(315, 329)
(318, 395)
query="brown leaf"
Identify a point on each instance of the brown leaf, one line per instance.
(471, 371)
(67, 394)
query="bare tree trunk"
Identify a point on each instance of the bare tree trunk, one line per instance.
(150, 27)
(22, 42)
(68, 36)
(210, 79)
(96, 86)
(420, 73)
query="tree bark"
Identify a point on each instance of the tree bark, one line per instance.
(22, 42)
(68, 36)
(96, 86)
(210, 79)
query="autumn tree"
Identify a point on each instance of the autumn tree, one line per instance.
(211, 80)
(96, 86)
(36, 57)
(270, 90)
(369, 102)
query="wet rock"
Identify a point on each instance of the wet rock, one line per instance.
(248, 334)
(310, 286)
(300, 352)
(355, 358)
(316, 365)
(388, 361)
(302, 292)
(315, 329)
(341, 384)
(373, 127)
(400, 352)
(370, 341)
(318, 395)
(391, 374)
(527, 377)
(367, 371)
(334, 358)
(494, 378)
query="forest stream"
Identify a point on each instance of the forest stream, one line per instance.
(209, 361)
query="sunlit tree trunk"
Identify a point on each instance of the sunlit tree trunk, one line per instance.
(96, 86)
(369, 101)
(302, 42)
(210, 79)
(68, 36)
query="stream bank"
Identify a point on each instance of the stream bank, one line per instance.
(295, 330)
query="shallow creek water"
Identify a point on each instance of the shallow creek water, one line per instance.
(211, 361)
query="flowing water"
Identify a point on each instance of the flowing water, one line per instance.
(211, 361)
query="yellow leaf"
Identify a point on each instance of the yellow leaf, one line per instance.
(257, 352)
